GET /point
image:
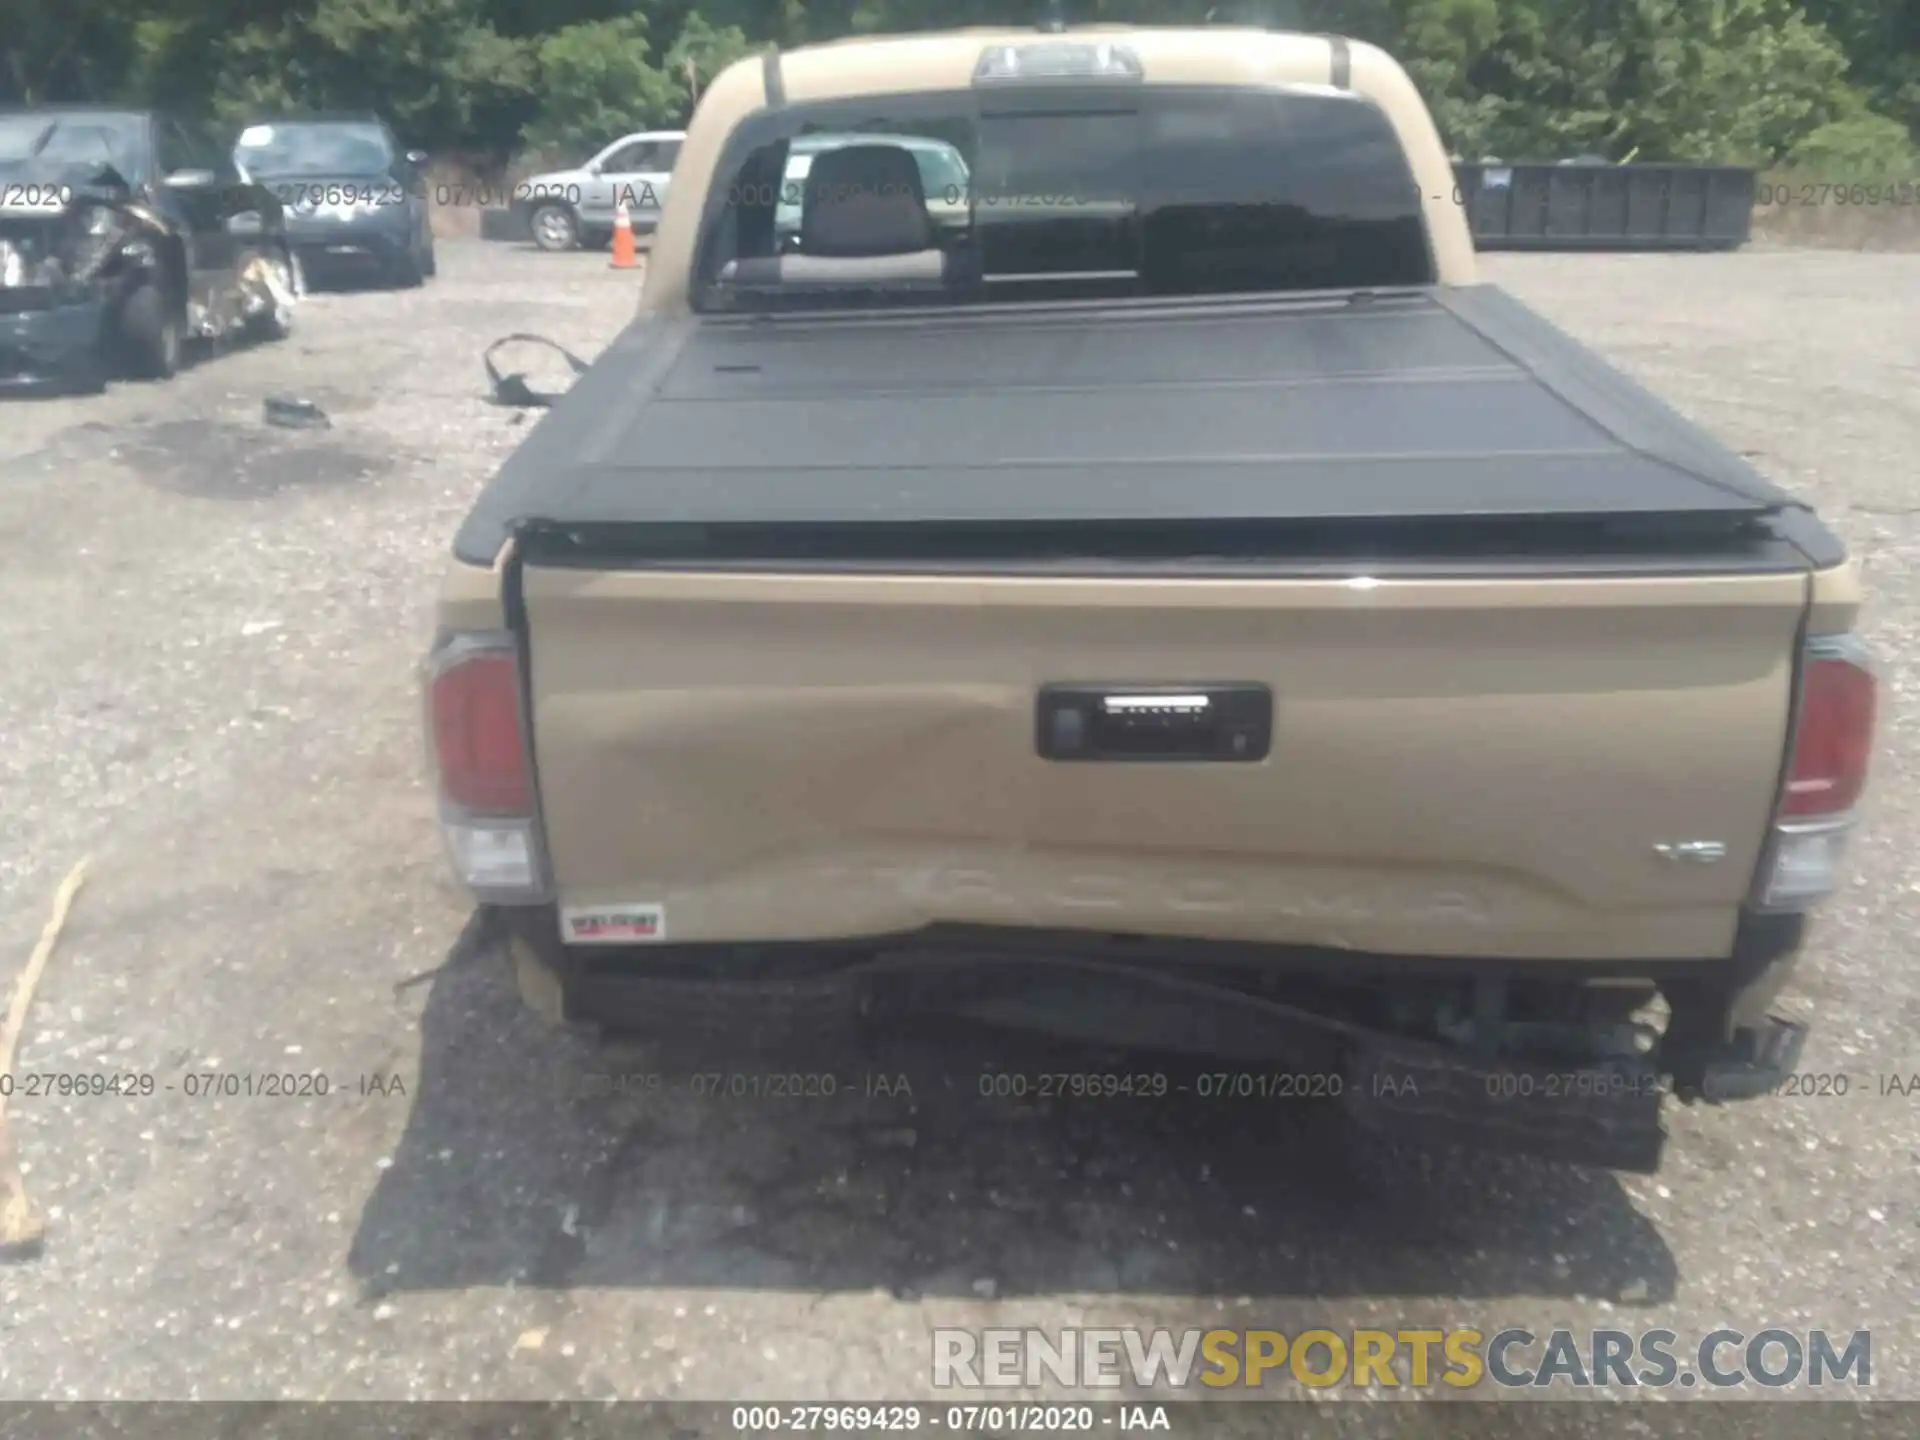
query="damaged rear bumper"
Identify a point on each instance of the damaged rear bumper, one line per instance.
(366, 255)
(1603, 1113)
(364, 246)
(1492, 1086)
(50, 343)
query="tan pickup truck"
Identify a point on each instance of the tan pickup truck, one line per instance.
(1175, 605)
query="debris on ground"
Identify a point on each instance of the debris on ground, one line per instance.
(512, 388)
(21, 1229)
(290, 412)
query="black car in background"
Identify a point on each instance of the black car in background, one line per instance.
(124, 233)
(356, 202)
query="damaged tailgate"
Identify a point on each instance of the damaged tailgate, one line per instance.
(1457, 768)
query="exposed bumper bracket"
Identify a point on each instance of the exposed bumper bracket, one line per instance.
(1602, 1113)
(1756, 1063)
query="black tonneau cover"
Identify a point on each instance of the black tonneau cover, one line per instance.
(1444, 404)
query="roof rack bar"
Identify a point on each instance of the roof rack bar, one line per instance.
(1342, 62)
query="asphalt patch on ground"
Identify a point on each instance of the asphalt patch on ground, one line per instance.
(221, 460)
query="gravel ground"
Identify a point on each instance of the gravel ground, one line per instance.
(208, 629)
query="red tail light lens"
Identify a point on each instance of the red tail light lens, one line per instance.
(1835, 736)
(479, 748)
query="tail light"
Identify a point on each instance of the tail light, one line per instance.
(1826, 773)
(483, 768)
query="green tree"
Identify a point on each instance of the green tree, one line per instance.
(52, 50)
(435, 68)
(1882, 41)
(1872, 148)
(1737, 81)
(596, 81)
(1817, 83)
(428, 64)
(1440, 42)
(1730, 80)
(700, 52)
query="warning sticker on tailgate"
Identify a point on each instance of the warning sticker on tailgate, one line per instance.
(613, 924)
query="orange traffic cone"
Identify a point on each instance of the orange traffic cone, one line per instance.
(623, 256)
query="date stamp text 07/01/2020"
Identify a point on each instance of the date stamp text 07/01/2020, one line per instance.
(210, 1083)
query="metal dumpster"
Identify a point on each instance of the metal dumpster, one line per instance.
(1607, 207)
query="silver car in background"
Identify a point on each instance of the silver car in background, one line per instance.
(563, 209)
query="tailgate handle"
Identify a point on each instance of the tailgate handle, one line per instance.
(1229, 723)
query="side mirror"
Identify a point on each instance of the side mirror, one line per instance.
(190, 179)
(416, 157)
(594, 167)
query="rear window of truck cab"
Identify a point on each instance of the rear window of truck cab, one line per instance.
(1059, 190)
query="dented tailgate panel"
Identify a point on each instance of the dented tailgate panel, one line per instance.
(1457, 767)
